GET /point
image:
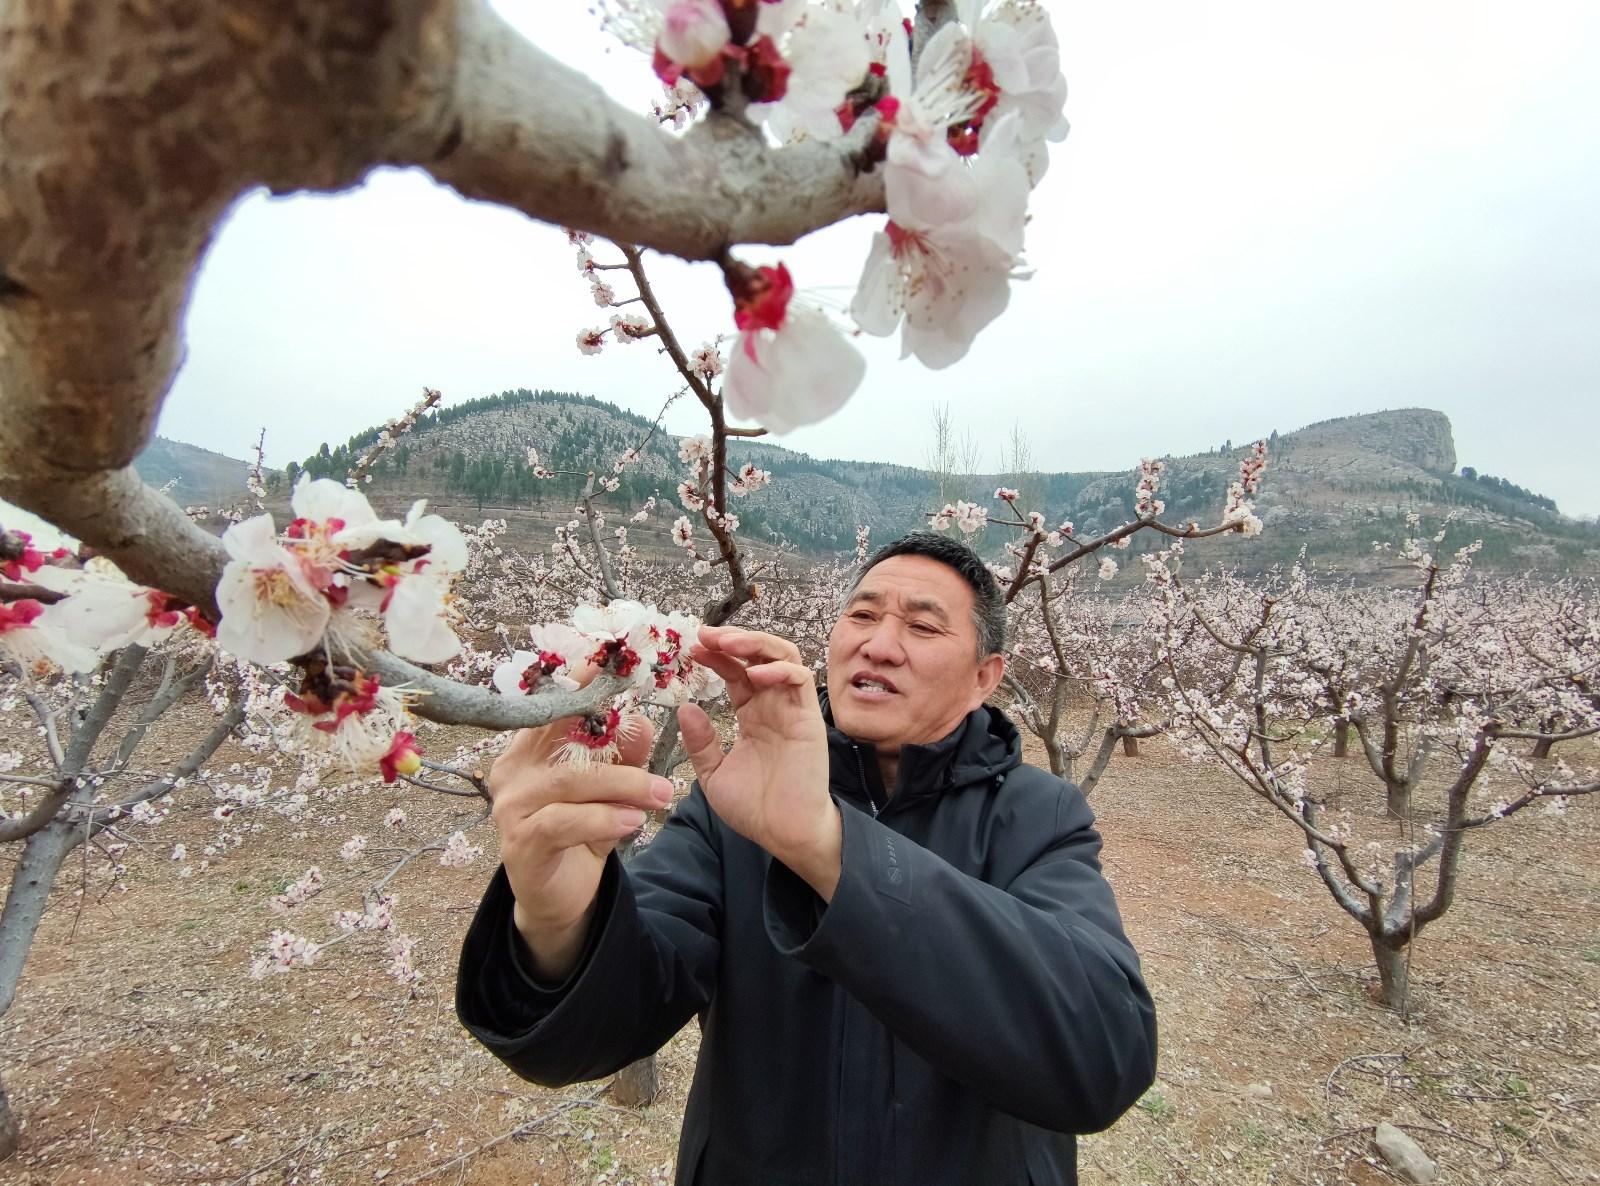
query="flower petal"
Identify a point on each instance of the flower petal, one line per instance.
(416, 621)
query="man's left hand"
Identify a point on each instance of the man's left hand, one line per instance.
(772, 786)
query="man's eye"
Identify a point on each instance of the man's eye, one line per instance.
(924, 628)
(860, 615)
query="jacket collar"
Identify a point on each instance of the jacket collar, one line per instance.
(983, 746)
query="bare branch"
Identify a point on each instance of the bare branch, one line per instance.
(208, 745)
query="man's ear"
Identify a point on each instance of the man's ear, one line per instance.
(990, 672)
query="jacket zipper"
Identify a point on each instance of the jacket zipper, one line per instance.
(866, 788)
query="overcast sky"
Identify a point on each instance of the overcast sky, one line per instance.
(1266, 214)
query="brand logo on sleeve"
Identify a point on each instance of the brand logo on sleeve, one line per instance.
(894, 875)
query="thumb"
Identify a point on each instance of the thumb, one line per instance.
(700, 741)
(635, 740)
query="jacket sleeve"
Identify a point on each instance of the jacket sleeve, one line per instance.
(1029, 994)
(650, 962)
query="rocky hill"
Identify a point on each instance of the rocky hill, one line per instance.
(1334, 488)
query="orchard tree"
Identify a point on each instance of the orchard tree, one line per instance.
(1442, 684)
(1067, 646)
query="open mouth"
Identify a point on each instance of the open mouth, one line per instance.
(872, 686)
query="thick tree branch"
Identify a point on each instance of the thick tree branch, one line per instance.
(127, 131)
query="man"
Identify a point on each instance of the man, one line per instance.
(907, 966)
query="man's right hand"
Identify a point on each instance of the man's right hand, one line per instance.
(557, 825)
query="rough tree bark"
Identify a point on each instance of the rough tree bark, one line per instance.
(1341, 738)
(1393, 972)
(1397, 797)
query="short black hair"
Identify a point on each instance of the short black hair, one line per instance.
(988, 605)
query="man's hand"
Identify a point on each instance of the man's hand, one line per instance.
(557, 825)
(772, 786)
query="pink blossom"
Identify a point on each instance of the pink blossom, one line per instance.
(1019, 48)
(828, 54)
(749, 479)
(272, 610)
(458, 853)
(630, 327)
(693, 34)
(348, 716)
(298, 892)
(400, 966)
(970, 517)
(695, 450)
(926, 182)
(706, 361)
(28, 638)
(285, 950)
(556, 648)
(946, 280)
(789, 367)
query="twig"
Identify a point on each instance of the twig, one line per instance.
(522, 1130)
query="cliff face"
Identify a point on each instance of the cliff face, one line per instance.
(1414, 438)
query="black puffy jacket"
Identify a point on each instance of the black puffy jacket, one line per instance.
(964, 1004)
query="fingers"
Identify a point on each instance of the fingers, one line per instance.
(519, 799)
(750, 645)
(699, 741)
(730, 669)
(629, 785)
(635, 739)
(733, 654)
(560, 826)
(777, 675)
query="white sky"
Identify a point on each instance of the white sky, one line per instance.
(1266, 214)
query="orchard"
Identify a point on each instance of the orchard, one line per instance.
(337, 650)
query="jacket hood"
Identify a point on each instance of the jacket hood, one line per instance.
(983, 746)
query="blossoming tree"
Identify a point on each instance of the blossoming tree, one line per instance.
(1441, 684)
(1065, 649)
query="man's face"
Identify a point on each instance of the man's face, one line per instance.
(903, 664)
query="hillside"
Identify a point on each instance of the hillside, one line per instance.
(1334, 487)
(201, 477)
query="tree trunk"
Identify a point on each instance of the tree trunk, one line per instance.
(1102, 759)
(1059, 762)
(10, 1130)
(1341, 738)
(35, 873)
(1399, 798)
(1130, 746)
(637, 1084)
(1541, 748)
(1393, 973)
(42, 857)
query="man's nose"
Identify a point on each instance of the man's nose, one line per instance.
(883, 644)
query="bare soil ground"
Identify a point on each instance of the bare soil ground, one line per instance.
(140, 1051)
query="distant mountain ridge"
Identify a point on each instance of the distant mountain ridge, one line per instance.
(1333, 487)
